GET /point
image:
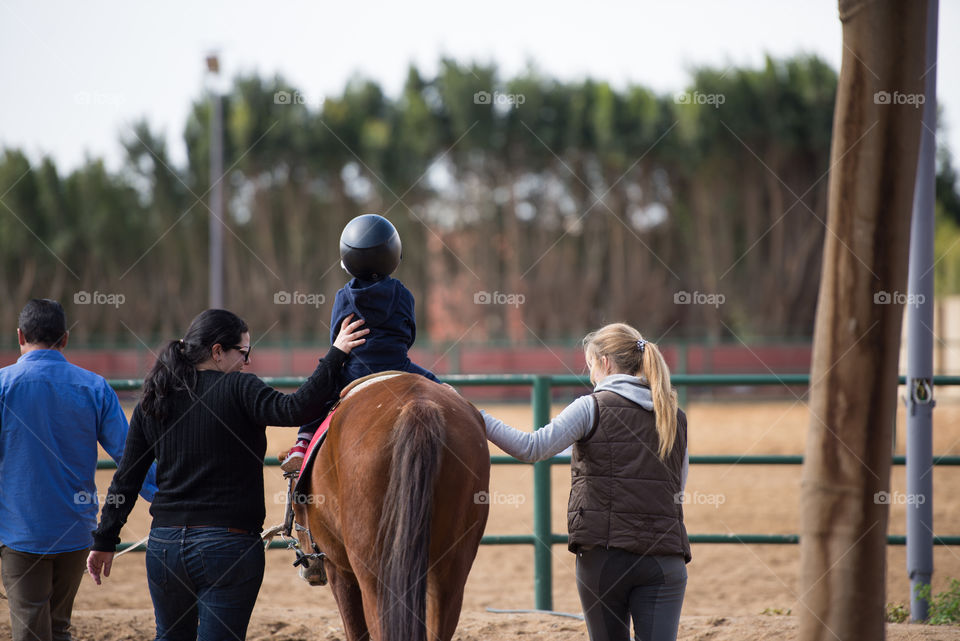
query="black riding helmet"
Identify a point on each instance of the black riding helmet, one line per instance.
(370, 247)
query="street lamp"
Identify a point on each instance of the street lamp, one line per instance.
(216, 184)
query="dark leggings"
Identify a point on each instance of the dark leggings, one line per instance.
(615, 585)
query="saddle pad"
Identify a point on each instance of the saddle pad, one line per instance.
(311, 454)
(316, 441)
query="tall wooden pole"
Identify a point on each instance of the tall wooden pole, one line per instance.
(873, 161)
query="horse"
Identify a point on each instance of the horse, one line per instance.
(397, 502)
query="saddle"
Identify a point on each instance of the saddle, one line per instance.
(321, 433)
(365, 381)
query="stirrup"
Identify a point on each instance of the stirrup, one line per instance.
(313, 565)
(288, 505)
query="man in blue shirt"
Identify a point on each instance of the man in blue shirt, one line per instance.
(52, 415)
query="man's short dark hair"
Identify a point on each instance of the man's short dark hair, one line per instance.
(43, 322)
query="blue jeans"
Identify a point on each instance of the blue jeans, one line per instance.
(203, 582)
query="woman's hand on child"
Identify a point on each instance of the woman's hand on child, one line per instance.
(349, 336)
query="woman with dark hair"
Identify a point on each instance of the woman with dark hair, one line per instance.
(203, 420)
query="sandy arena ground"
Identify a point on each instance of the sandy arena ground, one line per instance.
(729, 586)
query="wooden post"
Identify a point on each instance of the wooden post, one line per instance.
(853, 391)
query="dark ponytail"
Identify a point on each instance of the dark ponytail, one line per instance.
(176, 366)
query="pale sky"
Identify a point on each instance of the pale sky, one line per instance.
(75, 75)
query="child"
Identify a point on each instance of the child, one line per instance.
(370, 251)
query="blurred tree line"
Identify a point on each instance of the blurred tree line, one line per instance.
(530, 208)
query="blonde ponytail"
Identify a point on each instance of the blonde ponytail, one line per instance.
(657, 373)
(628, 352)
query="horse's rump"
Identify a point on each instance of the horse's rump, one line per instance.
(403, 461)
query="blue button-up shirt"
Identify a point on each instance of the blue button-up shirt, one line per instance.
(52, 415)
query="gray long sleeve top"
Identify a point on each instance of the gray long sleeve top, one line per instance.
(570, 425)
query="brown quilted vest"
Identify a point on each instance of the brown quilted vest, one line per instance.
(621, 494)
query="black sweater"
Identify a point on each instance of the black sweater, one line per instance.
(209, 450)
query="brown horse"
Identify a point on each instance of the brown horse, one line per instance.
(396, 500)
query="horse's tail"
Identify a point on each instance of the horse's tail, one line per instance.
(404, 536)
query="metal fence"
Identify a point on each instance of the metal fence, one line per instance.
(543, 538)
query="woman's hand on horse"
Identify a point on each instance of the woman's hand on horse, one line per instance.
(98, 561)
(349, 336)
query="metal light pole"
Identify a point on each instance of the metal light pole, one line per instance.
(920, 304)
(216, 185)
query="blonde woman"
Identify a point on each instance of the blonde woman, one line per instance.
(628, 467)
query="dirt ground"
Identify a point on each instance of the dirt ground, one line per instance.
(729, 586)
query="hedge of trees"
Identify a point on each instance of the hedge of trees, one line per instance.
(571, 203)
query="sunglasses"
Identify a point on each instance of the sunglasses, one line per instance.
(245, 352)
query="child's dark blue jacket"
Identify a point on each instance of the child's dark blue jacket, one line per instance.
(387, 307)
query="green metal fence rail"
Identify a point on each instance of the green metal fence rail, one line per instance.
(543, 538)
